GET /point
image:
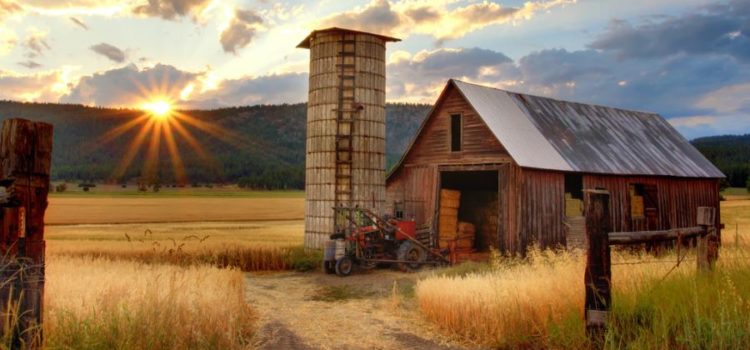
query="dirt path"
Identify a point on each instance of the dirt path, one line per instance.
(318, 311)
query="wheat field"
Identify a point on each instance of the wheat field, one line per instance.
(538, 302)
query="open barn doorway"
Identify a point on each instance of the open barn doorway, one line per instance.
(477, 193)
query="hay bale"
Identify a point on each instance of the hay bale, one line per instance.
(450, 194)
(465, 243)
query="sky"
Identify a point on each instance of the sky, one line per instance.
(688, 60)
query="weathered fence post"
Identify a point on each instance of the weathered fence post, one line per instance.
(598, 270)
(708, 243)
(25, 155)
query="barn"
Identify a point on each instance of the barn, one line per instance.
(521, 162)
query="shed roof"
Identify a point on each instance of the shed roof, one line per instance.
(305, 44)
(550, 134)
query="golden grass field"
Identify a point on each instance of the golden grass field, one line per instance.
(154, 284)
(538, 303)
(146, 285)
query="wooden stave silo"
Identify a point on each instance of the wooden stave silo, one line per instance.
(330, 181)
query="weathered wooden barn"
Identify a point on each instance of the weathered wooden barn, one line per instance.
(521, 163)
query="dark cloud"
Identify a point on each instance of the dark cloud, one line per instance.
(377, 17)
(125, 86)
(422, 14)
(29, 64)
(417, 77)
(171, 9)
(241, 30)
(109, 51)
(35, 44)
(716, 29)
(79, 23)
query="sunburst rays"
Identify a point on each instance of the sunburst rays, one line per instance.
(161, 128)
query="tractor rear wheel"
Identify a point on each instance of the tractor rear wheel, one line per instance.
(344, 266)
(408, 251)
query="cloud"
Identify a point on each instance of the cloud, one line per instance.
(241, 30)
(436, 18)
(172, 9)
(8, 8)
(43, 86)
(79, 23)
(728, 99)
(270, 89)
(29, 64)
(129, 85)
(35, 43)
(109, 51)
(8, 41)
(422, 76)
(717, 29)
(699, 126)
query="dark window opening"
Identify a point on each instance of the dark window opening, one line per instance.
(455, 132)
(398, 210)
(573, 195)
(644, 206)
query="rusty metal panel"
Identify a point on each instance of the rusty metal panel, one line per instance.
(550, 134)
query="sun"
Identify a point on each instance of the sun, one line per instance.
(160, 109)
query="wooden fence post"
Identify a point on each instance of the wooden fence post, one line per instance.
(708, 243)
(598, 269)
(25, 156)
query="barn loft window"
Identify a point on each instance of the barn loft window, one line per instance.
(455, 133)
(573, 195)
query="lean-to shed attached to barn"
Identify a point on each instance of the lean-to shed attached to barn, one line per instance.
(521, 163)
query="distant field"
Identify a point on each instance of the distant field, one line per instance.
(132, 191)
(732, 193)
(65, 210)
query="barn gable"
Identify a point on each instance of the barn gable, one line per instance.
(432, 142)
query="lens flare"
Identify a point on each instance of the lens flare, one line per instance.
(160, 109)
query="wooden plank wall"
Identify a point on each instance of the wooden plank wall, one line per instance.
(414, 188)
(542, 206)
(678, 199)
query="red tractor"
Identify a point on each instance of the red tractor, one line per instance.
(366, 240)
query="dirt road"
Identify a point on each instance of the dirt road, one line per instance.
(318, 311)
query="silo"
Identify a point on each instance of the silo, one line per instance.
(345, 149)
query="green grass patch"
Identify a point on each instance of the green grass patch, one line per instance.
(340, 293)
(735, 191)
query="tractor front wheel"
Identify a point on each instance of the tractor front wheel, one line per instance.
(408, 251)
(344, 266)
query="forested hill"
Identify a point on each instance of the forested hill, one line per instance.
(265, 146)
(267, 150)
(730, 153)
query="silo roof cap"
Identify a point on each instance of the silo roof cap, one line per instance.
(305, 44)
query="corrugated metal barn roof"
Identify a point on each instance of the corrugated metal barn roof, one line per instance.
(545, 133)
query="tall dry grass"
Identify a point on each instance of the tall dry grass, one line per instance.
(538, 302)
(260, 246)
(99, 303)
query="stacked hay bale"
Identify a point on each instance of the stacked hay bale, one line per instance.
(449, 203)
(465, 236)
(454, 234)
